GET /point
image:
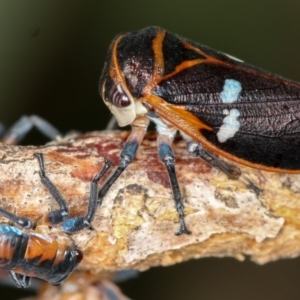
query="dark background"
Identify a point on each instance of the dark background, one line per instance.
(51, 56)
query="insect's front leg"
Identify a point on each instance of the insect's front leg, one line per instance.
(139, 129)
(75, 224)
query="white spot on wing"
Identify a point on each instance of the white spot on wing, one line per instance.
(231, 91)
(230, 125)
(233, 57)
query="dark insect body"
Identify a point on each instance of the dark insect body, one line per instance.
(222, 106)
(46, 250)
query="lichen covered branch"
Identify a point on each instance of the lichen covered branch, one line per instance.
(134, 227)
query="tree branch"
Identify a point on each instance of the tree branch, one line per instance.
(134, 227)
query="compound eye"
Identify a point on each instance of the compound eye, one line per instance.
(118, 97)
(78, 256)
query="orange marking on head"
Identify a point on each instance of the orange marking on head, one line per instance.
(115, 70)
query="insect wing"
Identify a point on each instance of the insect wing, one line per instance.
(244, 113)
(233, 109)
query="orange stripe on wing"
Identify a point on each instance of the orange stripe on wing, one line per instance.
(192, 126)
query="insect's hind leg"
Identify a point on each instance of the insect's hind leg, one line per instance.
(232, 172)
(196, 150)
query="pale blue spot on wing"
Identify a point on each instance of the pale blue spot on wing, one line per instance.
(231, 91)
(230, 126)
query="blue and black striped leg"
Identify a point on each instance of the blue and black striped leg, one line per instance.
(232, 172)
(94, 192)
(78, 223)
(71, 225)
(127, 156)
(167, 157)
(19, 221)
(56, 216)
(128, 153)
(196, 150)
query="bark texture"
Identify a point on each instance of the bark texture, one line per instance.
(134, 228)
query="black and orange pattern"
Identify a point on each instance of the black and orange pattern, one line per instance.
(180, 81)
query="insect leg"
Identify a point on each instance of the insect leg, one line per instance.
(135, 138)
(20, 221)
(45, 127)
(78, 223)
(94, 193)
(57, 216)
(21, 281)
(18, 131)
(251, 186)
(232, 172)
(112, 124)
(196, 150)
(167, 157)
